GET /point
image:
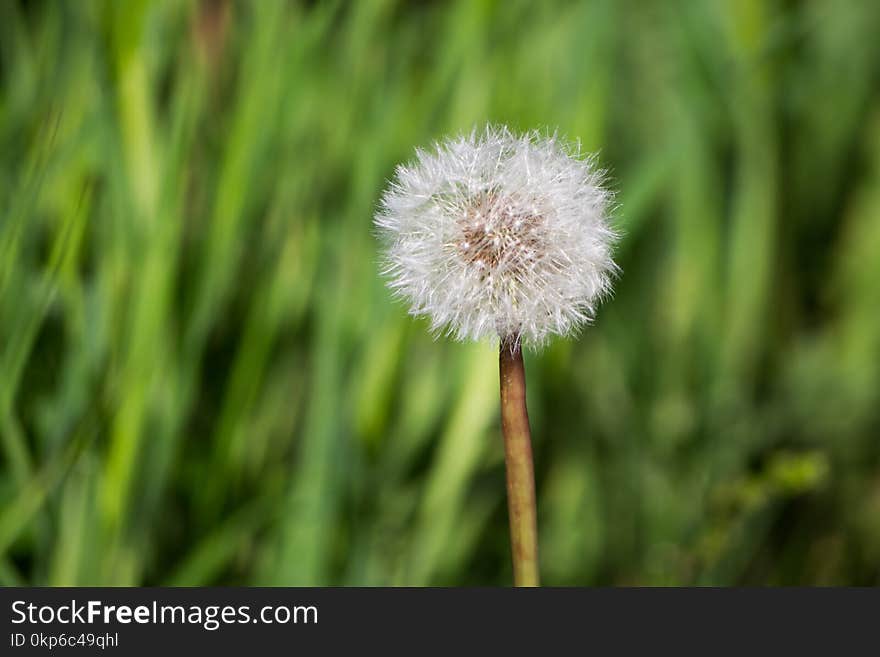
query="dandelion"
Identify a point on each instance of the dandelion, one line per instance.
(498, 235)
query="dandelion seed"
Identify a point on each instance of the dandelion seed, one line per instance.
(526, 211)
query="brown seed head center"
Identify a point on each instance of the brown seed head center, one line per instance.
(498, 232)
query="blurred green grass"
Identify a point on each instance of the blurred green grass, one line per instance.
(204, 381)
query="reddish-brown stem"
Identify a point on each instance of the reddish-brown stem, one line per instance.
(519, 465)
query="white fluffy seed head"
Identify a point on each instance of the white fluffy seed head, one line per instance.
(498, 234)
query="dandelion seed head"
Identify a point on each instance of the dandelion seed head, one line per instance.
(498, 234)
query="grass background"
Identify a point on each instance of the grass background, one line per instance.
(204, 381)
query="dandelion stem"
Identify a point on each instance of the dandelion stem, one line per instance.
(519, 465)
